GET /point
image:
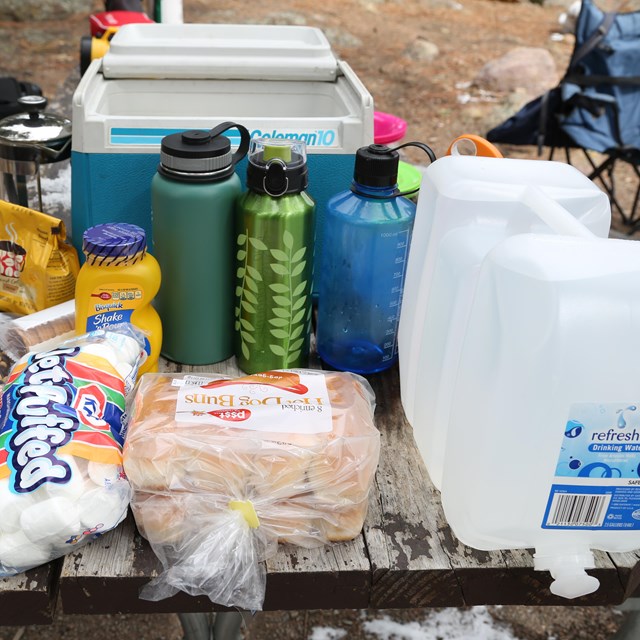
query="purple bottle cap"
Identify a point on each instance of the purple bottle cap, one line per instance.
(114, 244)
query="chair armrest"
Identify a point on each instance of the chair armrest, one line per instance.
(597, 104)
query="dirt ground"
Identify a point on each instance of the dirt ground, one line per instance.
(371, 35)
(378, 38)
(437, 101)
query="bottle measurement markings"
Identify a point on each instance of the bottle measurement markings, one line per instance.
(390, 345)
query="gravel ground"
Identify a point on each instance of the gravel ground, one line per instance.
(492, 623)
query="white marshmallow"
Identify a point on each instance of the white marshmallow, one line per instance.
(19, 553)
(103, 474)
(127, 348)
(50, 520)
(101, 350)
(103, 508)
(124, 369)
(11, 506)
(76, 486)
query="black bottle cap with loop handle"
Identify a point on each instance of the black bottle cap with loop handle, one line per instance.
(377, 166)
(201, 156)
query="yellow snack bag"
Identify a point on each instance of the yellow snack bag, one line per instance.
(38, 269)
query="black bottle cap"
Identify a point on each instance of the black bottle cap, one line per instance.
(196, 155)
(277, 167)
(376, 166)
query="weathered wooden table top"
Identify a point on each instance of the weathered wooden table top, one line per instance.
(406, 555)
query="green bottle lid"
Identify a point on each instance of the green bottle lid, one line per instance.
(271, 151)
(409, 178)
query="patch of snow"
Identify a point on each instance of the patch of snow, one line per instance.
(327, 633)
(481, 96)
(56, 192)
(448, 624)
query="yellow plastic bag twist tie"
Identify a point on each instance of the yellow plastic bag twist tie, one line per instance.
(245, 507)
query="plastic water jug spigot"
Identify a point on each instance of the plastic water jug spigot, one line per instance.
(570, 580)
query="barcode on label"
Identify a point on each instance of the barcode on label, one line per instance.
(578, 510)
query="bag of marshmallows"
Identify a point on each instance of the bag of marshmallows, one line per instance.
(224, 469)
(61, 434)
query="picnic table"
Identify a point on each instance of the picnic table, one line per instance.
(405, 557)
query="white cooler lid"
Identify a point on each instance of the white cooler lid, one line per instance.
(220, 51)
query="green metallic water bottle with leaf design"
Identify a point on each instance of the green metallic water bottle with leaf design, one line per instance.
(274, 258)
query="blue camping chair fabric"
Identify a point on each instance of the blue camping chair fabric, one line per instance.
(596, 106)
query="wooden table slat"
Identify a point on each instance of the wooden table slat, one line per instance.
(407, 556)
(30, 597)
(106, 575)
(426, 564)
(628, 567)
(335, 576)
(411, 567)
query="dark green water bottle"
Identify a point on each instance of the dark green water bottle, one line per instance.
(193, 200)
(274, 258)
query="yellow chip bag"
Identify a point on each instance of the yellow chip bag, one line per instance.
(38, 269)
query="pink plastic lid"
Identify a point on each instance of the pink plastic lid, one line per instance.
(387, 127)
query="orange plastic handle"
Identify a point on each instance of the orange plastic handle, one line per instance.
(482, 147)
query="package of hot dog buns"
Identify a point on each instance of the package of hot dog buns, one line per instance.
(225, 469)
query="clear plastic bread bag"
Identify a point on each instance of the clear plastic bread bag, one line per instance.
(62, 427)
(224, 469)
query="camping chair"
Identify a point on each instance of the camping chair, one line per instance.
(596, 106)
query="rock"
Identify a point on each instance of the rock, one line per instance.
(286, 17)
(561, 4)
(421, 50)
(567, 19)
(511, 104)
(529, 68)
(341, 38)
(442, 4)
(34, 10)
(370, 5)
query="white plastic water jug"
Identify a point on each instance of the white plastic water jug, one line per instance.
(543, 445)
(467, 206)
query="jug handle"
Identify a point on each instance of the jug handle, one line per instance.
(553, 214)
(244, 139)
(481, 147)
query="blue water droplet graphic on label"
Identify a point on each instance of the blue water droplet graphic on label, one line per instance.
(622, 423)
(599, 470)
(573, 429)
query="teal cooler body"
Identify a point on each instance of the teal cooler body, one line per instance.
(99, 193)
(160, 79)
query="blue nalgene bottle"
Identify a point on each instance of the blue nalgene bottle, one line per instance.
(367, 234)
